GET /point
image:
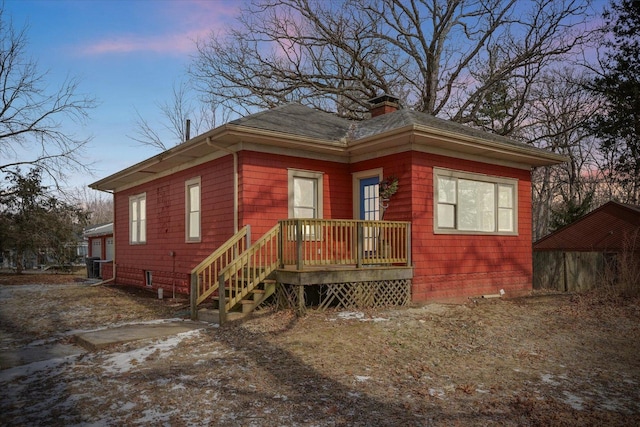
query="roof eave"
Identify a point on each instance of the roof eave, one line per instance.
(438, 138)
(226, 135)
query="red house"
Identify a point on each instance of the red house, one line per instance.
(308, 185)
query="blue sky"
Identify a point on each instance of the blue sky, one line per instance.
(127, 53)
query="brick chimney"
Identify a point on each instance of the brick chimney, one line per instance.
(383, 104)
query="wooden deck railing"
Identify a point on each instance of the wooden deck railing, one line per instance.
(317, 242)
(237, 267)
(248, 270)
(204, 277)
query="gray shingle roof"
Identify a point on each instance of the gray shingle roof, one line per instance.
(297, 119)
(402, 118)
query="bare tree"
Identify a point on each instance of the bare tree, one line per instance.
(203, 114)
(557, 121)
(97, 205)
(32, 116)
(336, 56)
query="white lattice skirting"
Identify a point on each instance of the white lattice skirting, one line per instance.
(350, 295)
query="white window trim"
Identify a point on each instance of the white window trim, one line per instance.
(137, 198)
(310, 233)
(318, 176)
(496, 180)
(187, 205)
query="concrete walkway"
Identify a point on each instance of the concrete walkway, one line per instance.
(37, 353)
(95, 340)
(98, 340)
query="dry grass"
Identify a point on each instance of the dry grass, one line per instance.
(551, 359)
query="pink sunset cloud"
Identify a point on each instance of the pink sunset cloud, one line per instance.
(179, 25)
(166, 43)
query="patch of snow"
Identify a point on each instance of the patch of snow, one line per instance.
(362, 378)
(574, 401)
(155, 416)
(548, 379)
(436, 392)
(349, 315)
(120, 363)
(30, 369)
(358, 315)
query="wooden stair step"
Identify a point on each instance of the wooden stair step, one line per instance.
(213, 316)
(247, 305)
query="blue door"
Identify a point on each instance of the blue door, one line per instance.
(369, 210)
(369, 198)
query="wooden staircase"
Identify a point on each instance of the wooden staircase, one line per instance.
(211, 312)
(234, 282)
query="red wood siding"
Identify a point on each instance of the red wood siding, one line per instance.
(107, 270)
(453, 266)
(264, 189)
(398, 165)
(445, 266)
(165, 223)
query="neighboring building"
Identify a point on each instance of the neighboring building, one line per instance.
(100, 248)
(579, 256)
(465, 193)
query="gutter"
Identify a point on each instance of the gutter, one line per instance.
(235, 181)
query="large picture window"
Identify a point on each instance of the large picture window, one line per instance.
(474, 203)
(138, 219)
(192, 210)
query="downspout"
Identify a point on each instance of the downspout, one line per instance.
(235, 181)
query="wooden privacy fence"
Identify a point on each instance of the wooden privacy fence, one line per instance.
(318, 242)
(569, 271)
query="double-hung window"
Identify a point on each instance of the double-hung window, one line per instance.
(474, 203)
(192, 210)
(305, 197)
(138, 218)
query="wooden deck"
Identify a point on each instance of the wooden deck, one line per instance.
(324, 275)
(355, 263)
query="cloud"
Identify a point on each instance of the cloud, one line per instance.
(170, 30)
(166, 43)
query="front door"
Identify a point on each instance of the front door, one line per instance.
(369, 209)
(369, 198)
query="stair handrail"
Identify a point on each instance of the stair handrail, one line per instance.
(204, 285)
(263, 254)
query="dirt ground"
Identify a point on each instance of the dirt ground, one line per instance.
(544, 360)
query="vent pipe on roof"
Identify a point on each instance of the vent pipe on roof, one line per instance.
(187, 133)
(384, 104)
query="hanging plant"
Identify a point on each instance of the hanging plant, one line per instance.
(388, 187)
